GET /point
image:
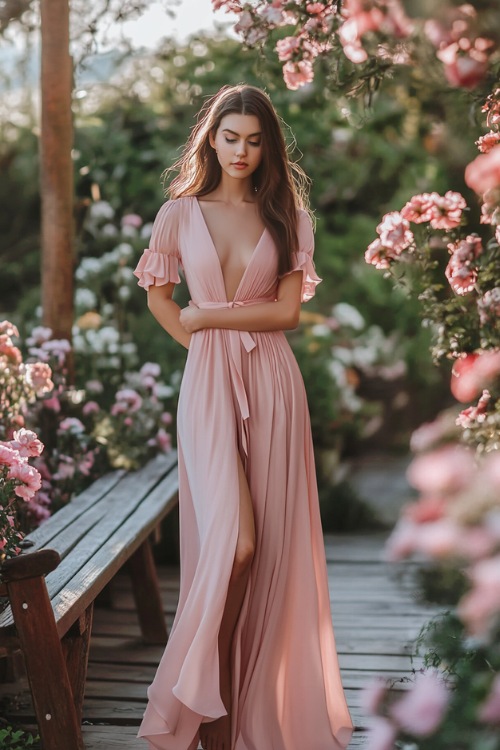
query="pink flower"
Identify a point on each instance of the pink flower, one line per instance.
(132, 220)
(428, 508)
(483, 173)
(473, 414)
(27, 443)
(314, 8)
(447, 210)
(245, 22)
(382, 734)
(489, 711)
(472, 372)
(152, 369)
(272, 15)
(53, 404)
(466, 62)
(39, 376)
(422, 708)
(462, 277)
(489, 306)
(85, 464)
(66, 468)
(373, 694)
(481, 605)
(10, 351)
(461, 270)
(127, 399)
(8, 329)
(29, 477)
(439, 539)
(442, 472)
(163, 440)
(9, 456)
(286, 47)
(394, 231)
(166, 417)
(94, 386)
(490, 210)
(128, 421)
(419, 208)
(39, 334)
(71, 425)
(379, 256)
(298, 74)
(91, 407)
(429, 434)
(486, 142)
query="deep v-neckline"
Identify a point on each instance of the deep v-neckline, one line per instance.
(219, 265)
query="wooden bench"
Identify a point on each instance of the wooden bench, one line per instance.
(51, 587)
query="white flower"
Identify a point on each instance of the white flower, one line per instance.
(85, 298)
(146, 230)
(109, 230)
(347, 315)
(124, 250)
(128, 231)
(101, 210)
(321, 330)
(164, 391)
(343, 354)
(124, 293)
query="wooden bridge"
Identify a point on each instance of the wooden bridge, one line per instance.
(375, 619)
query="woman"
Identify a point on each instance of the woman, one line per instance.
(251, 661)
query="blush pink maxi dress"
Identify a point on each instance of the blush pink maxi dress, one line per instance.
(243, 392)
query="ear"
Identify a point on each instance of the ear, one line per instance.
(211, 139)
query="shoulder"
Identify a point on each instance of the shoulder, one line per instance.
(305, 229)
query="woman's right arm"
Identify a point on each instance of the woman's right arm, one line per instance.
(167, 312)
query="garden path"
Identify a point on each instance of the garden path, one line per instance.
(374, 613)
(375, 617)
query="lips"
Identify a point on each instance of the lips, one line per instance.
(240, 164)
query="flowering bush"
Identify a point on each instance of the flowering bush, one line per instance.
(363, 40)
(135, 429)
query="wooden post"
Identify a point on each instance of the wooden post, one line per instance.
(56, 169)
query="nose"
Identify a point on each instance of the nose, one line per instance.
(241, 148)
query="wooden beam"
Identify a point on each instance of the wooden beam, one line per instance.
(56, 169)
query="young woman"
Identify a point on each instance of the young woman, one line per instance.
(251, 661)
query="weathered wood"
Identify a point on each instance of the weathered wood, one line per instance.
(76, 644)
(53, 699)
(30, 566)
(147, 594)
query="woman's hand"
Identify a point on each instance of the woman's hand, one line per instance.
(191, 319)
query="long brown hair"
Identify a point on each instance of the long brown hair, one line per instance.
(281, 185)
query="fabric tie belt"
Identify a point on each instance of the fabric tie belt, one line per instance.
(235, 340)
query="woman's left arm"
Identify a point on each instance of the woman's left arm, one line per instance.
(281, 315)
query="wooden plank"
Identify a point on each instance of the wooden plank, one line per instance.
(111, 555)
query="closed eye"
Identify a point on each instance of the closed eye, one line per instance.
(250, 143)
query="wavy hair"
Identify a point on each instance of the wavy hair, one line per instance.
(281, 185)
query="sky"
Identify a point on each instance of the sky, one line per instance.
(190, 16)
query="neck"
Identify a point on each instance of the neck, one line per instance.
(230, 190)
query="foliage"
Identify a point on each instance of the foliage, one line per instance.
(16, 739)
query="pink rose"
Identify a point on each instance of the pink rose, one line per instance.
(128, 398)
(286, 47)
(66, 468)
(422, 708)
(39, 376)
(489, 307)
(443, 471)
(29, 477)
(465, 63)
(394, 231)
(473, 414)
(163, 440)
(447, 210)
(480, 606)
(428, 508)
(382, 734)
(462, 277)
(8, 329)
(419, 208)
(132, 220)
(298, 74)
(471, 372)
(151, 369)
(483, 173)
(27, 443)
(71, 425)
(9, 456)
(486, 142)
(379, 256)
(91, 407)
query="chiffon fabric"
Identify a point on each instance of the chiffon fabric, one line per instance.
(243, 393)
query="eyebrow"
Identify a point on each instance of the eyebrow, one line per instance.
(252, 135)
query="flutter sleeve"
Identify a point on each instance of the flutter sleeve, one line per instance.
(303, 258)
(159, 263)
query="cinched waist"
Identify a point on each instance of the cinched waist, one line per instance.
(235, 340)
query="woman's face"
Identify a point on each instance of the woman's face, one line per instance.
(238, 143)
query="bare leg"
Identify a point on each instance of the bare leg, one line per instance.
(216, 735)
